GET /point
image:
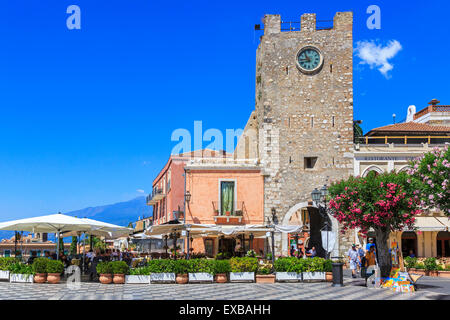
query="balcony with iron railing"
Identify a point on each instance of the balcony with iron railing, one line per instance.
(154, 197)
(234, 216)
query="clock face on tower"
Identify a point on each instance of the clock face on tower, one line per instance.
(309, 59)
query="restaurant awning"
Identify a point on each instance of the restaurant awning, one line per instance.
(429, 224)
(445, 221)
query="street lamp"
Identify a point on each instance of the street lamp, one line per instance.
(187, 196)
(319, 198)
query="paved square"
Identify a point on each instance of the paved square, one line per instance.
(213, 291)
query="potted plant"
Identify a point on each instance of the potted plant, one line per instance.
(104, 269)
(264, 273)
(161, 270)
(431, 267)
(444, 271)
(314, 269)
(54, 270)
(5, 262)
(221, 269)
(239, 213)
(410, 263)
(119, 270)
(201, 270)
(288, 269)
(216, 212)
(138, 276)
(251, 254)
(20, 272)
(181, 269)
(243, 269)
(40, 270)
(227, 213)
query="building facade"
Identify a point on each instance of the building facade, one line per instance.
(391, 148)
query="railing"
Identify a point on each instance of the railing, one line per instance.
(156, 192)
(237, 211)
(296, 25)
(430, 109)
(404, 140)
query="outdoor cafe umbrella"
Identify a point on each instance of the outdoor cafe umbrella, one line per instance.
(54, 223)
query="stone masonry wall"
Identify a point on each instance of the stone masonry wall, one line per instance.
(300, 115)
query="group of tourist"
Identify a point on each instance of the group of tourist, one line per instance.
(360, 258)
(310, 253)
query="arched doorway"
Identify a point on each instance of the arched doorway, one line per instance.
(443, 244)
(409, 243)
(308, 216)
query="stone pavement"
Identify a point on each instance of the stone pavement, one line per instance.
(228, 291)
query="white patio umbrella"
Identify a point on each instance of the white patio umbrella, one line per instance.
(54, 223)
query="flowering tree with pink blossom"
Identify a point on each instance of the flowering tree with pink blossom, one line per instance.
(383, 202)
(431, 172)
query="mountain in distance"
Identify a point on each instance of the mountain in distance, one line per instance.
(121, 213)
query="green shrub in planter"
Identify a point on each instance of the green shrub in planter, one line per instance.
(104, 267)
(161, 266)
(328, 266)
(420, 266)
(251, 254)
(201, 265)
(265, 268)
(430, 264)
(120, 267)
(315, 264)
(20, 268)
(5, 262)
(141, 271)
(223, 256)
(181, 266)
(40, 265)
(410, 262)
(244, 264)
(221, 266)
(55, 266)
(285, 264)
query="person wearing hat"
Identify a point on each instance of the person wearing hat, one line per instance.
(353, 258)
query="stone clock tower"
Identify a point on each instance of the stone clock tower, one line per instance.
(304, 113)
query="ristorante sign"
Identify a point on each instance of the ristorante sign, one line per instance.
(385, 158)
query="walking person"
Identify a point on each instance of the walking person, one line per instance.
(361, 256)
(370, 263)
(353, 258)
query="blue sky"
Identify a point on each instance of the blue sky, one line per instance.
(86, 115)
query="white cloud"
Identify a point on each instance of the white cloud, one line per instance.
(377, 56)
(140, 191)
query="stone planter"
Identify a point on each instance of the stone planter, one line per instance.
(105, 278)
(137, 279)
(119, 278)
(418, 271)
(242, 276)
(182, 278)
(53, 278)
(432, 273)
(40, 277)
(201, 277)
(162, 277)
(444, 274)
(313, 276)
(221, 278)
(24, 278)
(4, 274)
(288, 276)
(329, 276)
(265, 278)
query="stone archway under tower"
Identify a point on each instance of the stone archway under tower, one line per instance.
(294, 216)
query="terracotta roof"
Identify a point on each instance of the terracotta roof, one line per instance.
(411, 127)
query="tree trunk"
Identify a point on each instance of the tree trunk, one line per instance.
(384, 257)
